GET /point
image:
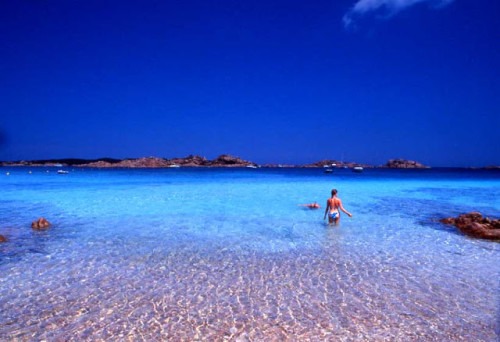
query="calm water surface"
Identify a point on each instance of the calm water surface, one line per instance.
(226, 254)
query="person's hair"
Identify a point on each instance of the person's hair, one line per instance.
(334, 192)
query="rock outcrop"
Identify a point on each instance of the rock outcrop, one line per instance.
(3, 238)
(98, 164)
(321, 163)
(226, 160)
(189, 161)
(404, 164)
(475, 225)
(57, 162)
(41, 223)
(146, 162)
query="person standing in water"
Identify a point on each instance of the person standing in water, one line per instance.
(333, 205)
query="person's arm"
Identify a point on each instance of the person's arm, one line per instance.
(327, 207)
(342, 208)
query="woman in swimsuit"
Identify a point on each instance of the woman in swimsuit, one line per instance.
(333, 205)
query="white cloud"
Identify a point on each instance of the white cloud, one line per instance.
(361, 7)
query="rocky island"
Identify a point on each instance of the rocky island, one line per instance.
(330, 162)
(145, 162)
(224, 160)
(404, 164)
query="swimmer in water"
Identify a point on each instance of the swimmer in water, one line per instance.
(333, 205)
(310, 206)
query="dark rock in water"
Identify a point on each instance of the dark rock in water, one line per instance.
(474, 224)
(3, 238)
(404, 164)
(41, 223)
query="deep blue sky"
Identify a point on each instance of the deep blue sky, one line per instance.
(269, 81)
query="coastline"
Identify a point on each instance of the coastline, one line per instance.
(158, 163)
(223, 160)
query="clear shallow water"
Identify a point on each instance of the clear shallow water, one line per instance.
(219, 254)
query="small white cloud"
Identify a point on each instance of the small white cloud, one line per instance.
(361, 7)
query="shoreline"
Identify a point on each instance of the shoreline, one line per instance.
(222, 161)
(469, 168)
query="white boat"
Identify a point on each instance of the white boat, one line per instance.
(334, 165)
(357, 169)
(252, 166)
(174, 165)
(325, 166)
(328, 171)
(62, 172)
(58, 165)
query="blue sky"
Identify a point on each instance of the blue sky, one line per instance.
(269, 81)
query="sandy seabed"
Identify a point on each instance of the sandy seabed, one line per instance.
(243, 295)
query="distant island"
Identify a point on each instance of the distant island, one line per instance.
(404, 164)
(224, 160)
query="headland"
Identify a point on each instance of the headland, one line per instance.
(223, 160)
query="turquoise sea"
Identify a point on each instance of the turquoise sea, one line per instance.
(226, 254)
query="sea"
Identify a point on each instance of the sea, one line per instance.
(226, 254)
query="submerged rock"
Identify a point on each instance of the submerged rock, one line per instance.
(41, 223)
(2, 238)
(474, 224)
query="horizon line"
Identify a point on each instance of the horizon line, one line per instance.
(227, 154)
